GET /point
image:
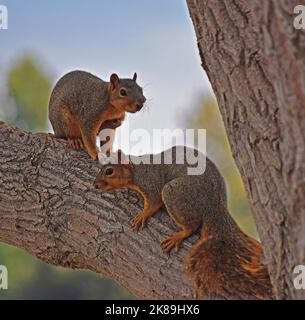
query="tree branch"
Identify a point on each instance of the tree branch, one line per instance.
(50, 208)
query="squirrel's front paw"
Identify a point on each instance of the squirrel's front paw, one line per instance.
(93, 154)
(139, 221)
(76, 143)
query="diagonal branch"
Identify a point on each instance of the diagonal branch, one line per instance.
(50, 208)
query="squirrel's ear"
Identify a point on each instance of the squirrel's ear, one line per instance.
(114, 80)
(135, 76)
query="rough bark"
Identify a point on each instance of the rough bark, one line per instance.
(50, 208)
(255, 61)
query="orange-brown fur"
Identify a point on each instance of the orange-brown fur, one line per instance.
(225, 263)
(81, 104)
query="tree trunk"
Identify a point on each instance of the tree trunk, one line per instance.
(50, 208)
(255, 61)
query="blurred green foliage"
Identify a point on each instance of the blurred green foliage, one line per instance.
(207, 116)
(29, 87)
(31, 279)
(28, 90)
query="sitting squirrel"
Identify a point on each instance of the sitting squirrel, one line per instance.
(81, 105)
(225, 263)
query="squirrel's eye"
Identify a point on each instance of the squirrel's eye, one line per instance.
(123, 93)
(109, 172)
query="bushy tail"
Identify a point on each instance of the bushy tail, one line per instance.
(202, 269)
(228, 268)
(194, 266)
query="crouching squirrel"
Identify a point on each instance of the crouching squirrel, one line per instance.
(82, 104)
(225, 263)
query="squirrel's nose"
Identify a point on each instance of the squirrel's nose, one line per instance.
(139, 106)
(96, 184)
(140, 103)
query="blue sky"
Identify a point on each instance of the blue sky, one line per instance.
(154, 38)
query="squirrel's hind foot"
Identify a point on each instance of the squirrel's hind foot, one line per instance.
(174, 240)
